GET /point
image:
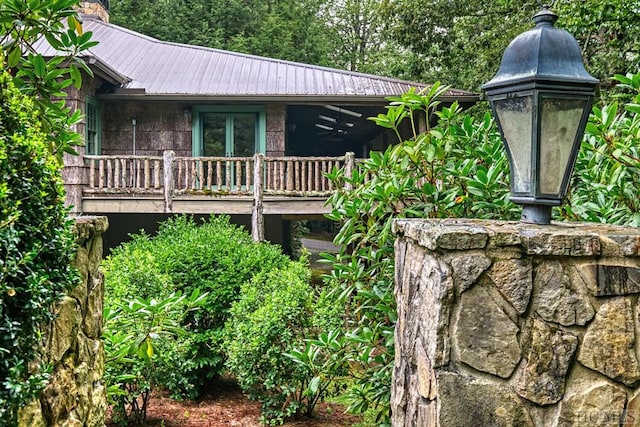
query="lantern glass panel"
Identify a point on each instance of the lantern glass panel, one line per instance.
(560, 120)
(515, 117)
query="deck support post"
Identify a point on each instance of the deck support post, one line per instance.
(257, 218)
(349, 165)
(168, 158)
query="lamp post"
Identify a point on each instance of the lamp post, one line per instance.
(541, 98)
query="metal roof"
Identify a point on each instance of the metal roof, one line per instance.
(144, 66)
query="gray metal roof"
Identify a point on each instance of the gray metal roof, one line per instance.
(148, 67)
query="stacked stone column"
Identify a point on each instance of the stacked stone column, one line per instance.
(76, 395)
(512, 324)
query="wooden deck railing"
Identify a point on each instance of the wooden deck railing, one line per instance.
(125, 173)
(172, 176)
(304, 176)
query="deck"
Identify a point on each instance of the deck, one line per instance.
(257, 186)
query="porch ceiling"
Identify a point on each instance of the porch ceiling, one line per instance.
(334, 124)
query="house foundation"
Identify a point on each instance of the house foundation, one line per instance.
(513, 324)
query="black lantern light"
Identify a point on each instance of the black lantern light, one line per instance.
(541, 98)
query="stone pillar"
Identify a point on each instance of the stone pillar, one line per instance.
(76, 395)
(276, 121)
(512, 324)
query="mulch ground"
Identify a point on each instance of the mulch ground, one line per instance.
(226, 406)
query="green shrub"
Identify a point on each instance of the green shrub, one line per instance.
(140, 337)
(457, 168)
(606, 182)
(269, 320)
(213, 256)
(36, 246)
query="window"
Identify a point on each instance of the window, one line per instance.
(92, 121)
(231, 131)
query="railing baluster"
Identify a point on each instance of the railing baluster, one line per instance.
(316, 172)
(289, 166)
(248, 173)
(101, 173)
(116, 173)
(156, 169)
(109, 175)
(179, 178)
(219, 174)
(209, 175)
(92, 173)
(199, 183)
(227, 167)
(238, 175)
(194, 172)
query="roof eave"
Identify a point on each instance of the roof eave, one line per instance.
(105, 71)
(140, 95)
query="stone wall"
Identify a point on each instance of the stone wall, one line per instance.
(276, 120)
(159, 126)
(76, 395)
(511, 324)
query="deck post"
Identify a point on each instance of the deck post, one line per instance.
(257, 219)
(349, 164)
(168, 158)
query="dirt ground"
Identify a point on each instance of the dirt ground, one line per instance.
(226, 407)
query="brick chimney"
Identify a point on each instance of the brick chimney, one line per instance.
(98, 8)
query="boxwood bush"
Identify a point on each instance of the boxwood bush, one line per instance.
(212, 256)
(269, 320)
(36, 247)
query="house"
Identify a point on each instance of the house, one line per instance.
(172, 128)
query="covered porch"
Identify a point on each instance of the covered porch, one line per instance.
(255, 186)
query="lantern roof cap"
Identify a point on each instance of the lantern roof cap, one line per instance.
(545, 54)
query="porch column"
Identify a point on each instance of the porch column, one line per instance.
(276, 120)
(74, 177)
(257, 217)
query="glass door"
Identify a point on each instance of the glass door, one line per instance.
(230, 135)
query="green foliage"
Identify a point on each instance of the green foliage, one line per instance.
(607, 31)
(22, 24)
(137, 334)
(284, 29)
(215, 257)
(269, 320)
(455, 169)
(461, 42)
(606, 184)
(36, 246)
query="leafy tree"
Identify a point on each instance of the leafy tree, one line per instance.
(36, 239)
(36, 245)
(461, 42)
(357, 27)
(22, 23)
(607, 31)
(283, 29)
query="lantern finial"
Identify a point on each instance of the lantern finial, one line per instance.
(545, 18)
